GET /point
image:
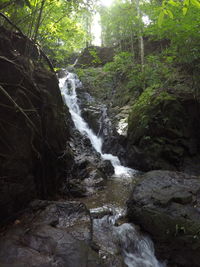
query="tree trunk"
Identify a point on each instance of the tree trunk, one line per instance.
(39, 20)
(88, 29)
(141, 44)
(132, 44)
(140, 36)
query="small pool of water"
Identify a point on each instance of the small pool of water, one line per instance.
(115, 193)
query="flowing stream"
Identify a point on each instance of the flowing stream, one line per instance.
(114, 235)
(68, 86)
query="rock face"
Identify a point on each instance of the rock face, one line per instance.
(167, 205)
(50, 234)
(34, 123)
(164, 129)
(97, 115)
(90, 172)
(95, 56)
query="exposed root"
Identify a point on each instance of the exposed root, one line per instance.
(19, 108)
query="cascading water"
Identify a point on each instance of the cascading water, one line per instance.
(68, 86)
(137, 250)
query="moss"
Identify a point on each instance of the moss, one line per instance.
(98, 83)
(157, 124)
(149, 110)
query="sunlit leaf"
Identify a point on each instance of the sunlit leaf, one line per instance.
(173, 3)
(160, 18)
(186, 2)
(170, 14)
(195, 3)
(185, 9)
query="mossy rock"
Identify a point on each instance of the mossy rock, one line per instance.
(165, 125)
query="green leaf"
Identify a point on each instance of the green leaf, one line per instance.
(195, 3)
(185, 9)
(170, 14)
(173, 3)
(186, 2)
(160, 18)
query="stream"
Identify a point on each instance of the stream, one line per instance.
(110, 230)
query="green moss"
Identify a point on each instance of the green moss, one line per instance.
(98, 83)
(94, 54)
(151, 107)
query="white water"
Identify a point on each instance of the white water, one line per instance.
(136, 249)
(68, 86)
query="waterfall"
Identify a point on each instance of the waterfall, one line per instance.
(137, 249)
(68, 86)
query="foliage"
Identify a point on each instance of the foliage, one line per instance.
(150, 107)
(122, 62)
(179, 28)
(158, 71)
(176, 21)
(95, 56)
(56, 24)
(62, 27)
(95, 81)
(168, 4)
(118, 23)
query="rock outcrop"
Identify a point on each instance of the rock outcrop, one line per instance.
(90, 172)
(95, 56)
(96, 109)
(167, 206)
(163, 131)
(34, 124)
(50, 234)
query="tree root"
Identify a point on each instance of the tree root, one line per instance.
(20, 109)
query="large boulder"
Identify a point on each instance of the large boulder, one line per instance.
(34, 154)
(90, 171)
(167, 205)
(164, 127)
(50, 234)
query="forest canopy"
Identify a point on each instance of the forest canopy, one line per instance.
(57, 25)
(62, 27)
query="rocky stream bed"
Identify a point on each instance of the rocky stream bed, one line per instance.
(93, 211)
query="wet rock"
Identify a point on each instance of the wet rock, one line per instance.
(50, 234)
(96, 116)
(91, 181)
(90, 172)
(92, 115)
(76, 189)
(106, 239)
(61, 73)
(100, 212)
(94, 181)
(115, 144)
(135, 156)
(167, 205)
(106, 167)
